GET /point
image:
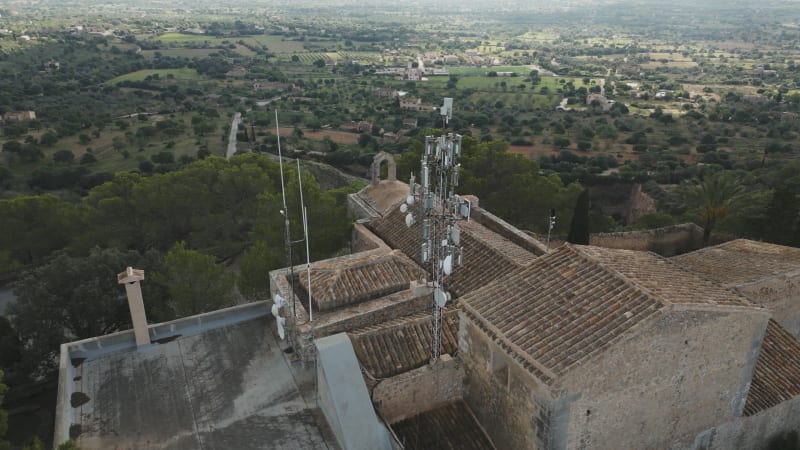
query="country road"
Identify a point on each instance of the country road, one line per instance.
(237, 118)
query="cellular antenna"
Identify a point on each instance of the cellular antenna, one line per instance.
(550, 228)
(440, 210)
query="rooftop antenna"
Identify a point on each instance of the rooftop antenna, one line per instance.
(440, 209)
(287, 239)
(550, 228)
(308, 252)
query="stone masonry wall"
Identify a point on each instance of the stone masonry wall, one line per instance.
(508, 231)
(685, 371)
(419, 390)
(781, 295)
(666, 241)
(758, 431)
(508, 401)
(364, 240)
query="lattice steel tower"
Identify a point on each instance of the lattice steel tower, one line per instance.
(439, 209)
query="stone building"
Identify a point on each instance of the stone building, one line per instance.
(579, 347)
(767, 274)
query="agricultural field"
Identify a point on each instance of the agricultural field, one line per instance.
(139, 75)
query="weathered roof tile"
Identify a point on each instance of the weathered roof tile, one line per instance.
(450, 427)
(487, 255)
(777, 374)
(340, 283)
(573, 303)
(403, 344)
(741, 261)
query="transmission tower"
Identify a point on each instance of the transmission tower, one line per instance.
(440, 210)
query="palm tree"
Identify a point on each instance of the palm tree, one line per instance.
(711, 197)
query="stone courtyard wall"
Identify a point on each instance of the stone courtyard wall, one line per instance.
(419, 390)
(666, 241)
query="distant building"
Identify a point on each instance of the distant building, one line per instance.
(19, 116)
(414, 104)
(384, 92)
(360, 126)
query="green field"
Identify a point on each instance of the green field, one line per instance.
(180, 52)
(181, 74)
(481, 71)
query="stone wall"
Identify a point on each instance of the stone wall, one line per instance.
(361, 208)
(685, 371)
(666, 241)
(419, 390)
(759, 431)
(507, 230)
(363, 240)
(508, 401)
(781, 295)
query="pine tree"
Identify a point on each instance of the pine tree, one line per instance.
(579, 228)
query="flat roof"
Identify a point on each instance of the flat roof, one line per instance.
(228, 386)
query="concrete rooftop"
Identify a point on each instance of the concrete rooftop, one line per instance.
(225, 387)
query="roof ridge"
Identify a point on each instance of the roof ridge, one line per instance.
(616, 273)
(708, 279)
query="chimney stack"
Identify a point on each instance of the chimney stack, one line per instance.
(131, 278)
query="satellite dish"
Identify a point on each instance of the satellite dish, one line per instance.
(448, 265)
(410, 199)
(409, 220)
(440, 297)
(279, 321)
(281, 332)
(403, 208)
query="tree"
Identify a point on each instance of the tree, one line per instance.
(4, 445)
(579, 227)
(195, 283)
(783, 214)
(254, 266)
(710, 199)
(64, 156)
(36, 225)
(72, 298)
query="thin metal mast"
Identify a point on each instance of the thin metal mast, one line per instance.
(287, 233)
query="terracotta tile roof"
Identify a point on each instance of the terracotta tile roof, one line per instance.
(400, 345)
(487, 255)
(741, 261)
(665, 279)
(573, 303)
(338, 282)
(777, 375)
(559, 310)
(450, 427)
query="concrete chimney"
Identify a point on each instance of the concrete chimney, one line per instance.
(131, 278)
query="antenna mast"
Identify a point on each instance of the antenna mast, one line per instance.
(440, 209)
(287, 233)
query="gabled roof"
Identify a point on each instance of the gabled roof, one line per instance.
(450, 427)
(575, 302)
(487, 255)
(777, 374)
(741, 261)
(341, 282)
(397, 346)
(664, 279)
